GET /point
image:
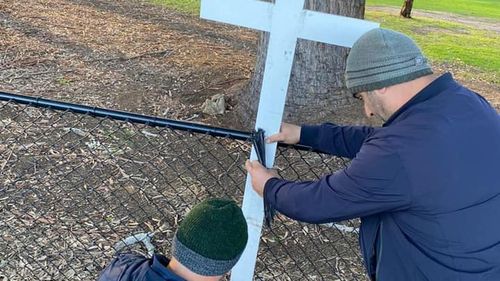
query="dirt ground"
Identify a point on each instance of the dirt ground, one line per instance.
(133, 56)
(125, 55)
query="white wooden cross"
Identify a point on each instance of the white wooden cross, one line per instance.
(286, 21)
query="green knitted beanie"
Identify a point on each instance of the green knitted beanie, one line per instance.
(211, 238)
(382, 58)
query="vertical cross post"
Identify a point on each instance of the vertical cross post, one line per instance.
(278, 67)
(286, 21)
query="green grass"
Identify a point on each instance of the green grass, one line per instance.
(450, 43)
(474, 8)
(444, 42)
(186, 6)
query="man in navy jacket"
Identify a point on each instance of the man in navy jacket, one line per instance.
(426, 185)
(207, 244)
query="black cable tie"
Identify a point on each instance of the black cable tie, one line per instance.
(260, 149)
(260, 146)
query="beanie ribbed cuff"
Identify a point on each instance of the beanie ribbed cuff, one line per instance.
(199, 264)
(379, 84)
(369, 70)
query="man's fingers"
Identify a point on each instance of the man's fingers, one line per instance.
(248, 166)
(288, 134)
(275, 138)
(252, 166)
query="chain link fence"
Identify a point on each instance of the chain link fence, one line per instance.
(76, 180)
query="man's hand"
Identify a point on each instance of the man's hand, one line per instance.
(260, 175)
(289, 133)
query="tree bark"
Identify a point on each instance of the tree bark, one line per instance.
(317, 85)
(406, 9)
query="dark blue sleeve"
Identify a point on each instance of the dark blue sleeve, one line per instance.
(374, 182)
(125, 267)
(343, 141)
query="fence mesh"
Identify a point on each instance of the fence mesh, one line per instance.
(73, 185)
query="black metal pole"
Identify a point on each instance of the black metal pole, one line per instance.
(126, 116)
(134, 118)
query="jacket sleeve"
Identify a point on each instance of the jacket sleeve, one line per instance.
(121, 267)
(343, 141)
(374, 182)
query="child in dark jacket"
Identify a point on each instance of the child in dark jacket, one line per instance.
(207, 244)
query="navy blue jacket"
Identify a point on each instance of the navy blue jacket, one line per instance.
(426, 186)
(132, 267)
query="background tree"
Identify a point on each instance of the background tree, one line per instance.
(317, 86)
(406, 9)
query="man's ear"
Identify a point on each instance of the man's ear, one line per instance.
(381, 91)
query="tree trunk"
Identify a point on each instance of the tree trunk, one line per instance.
(406, 9)
(317, 86)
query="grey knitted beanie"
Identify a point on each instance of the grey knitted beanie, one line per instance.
(382, 58)
(211, 238)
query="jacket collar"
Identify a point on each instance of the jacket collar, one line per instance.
(433, 89)
(159, 266)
